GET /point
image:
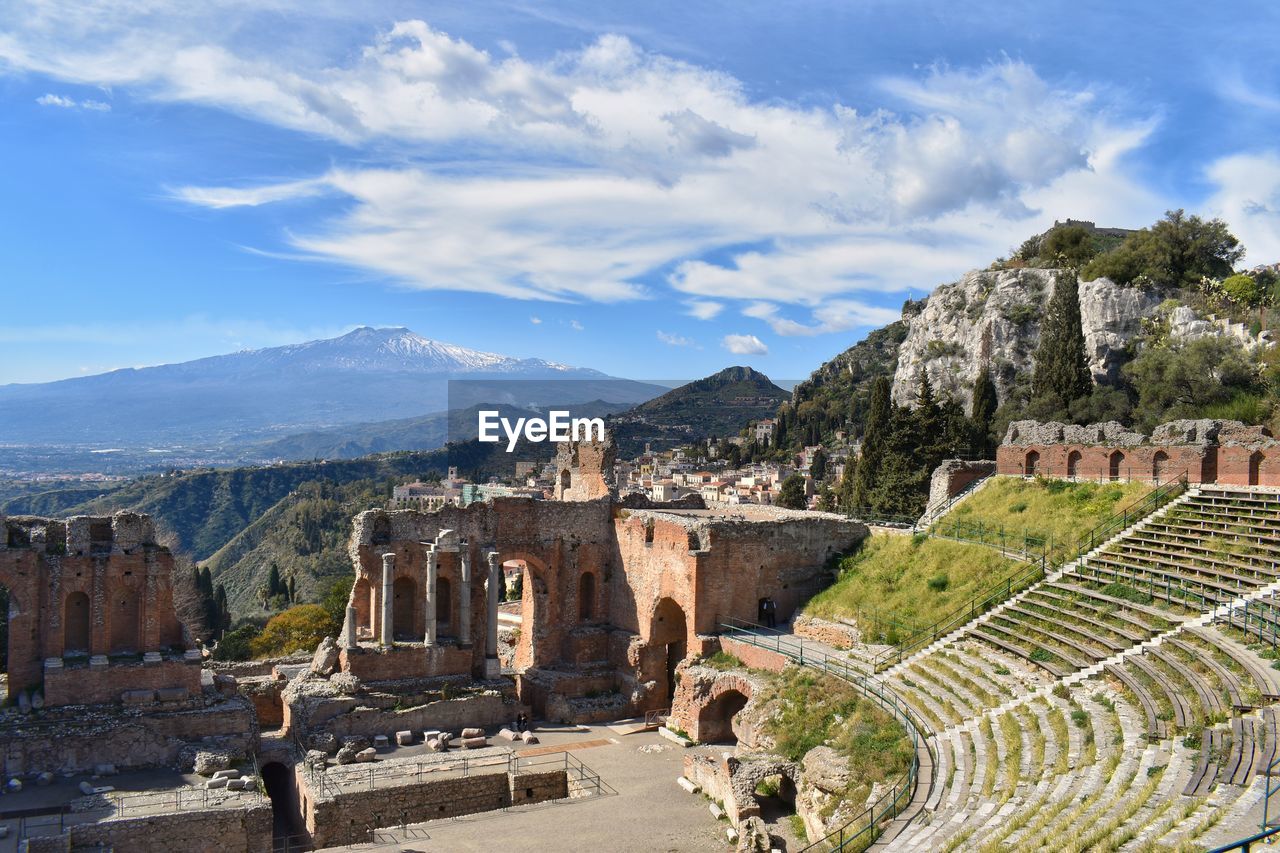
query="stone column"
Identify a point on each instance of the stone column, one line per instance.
(349, 629)
(386, 636)
(464, 599)
(430, 601)
(492, 668)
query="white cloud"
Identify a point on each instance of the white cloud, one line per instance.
(606, 164)
(744, 345)
(703, 310)
(673, 339)
(837, 315)
(1248, 198)
(63, 102)
(576, 326)
(537, 321)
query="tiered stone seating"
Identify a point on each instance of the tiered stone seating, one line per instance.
(1164, 748)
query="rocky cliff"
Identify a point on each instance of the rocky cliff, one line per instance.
(994, 316)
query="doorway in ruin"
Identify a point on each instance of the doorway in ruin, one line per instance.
(586, 596)
(715, 720)
(1073, 463)
(126, 620)
(529, 580)
(1160, 466)
(1032, 463)
(670, 631)
(1115, 463)
(1255, 468)
(75, 621)
(403, 610)
(288, 831)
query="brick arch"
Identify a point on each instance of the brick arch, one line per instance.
(1074, 458)
(707, 712)
(1031, 463)
(535, 608)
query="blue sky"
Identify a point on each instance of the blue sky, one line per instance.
(657, 189)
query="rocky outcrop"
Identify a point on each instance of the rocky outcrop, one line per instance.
(994, 316)
(1186, 324)
(821, 792)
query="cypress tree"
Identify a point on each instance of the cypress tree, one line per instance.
(984, 405)
(274, 586)
(874, 437)
(1061, 367)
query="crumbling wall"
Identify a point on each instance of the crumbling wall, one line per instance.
(245, 829)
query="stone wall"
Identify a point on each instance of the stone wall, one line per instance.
(952, 477)
(85, 684)
(345, 818)
(222, 830)
(584, 469)
(453, 715)
(836, 634)
(1209, 451)
(89, 585)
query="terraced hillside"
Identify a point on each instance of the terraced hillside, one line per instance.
(1126, 702)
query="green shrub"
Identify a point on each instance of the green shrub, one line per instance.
(1018, 508)
(1041, 655)
(1079, 716)
(1126, 592)
(237, 644)
(939, 583)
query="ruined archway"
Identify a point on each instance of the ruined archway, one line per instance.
(1115, 464)
(1255, 468)
(586, 596)
(75, 622)
(1031, 463)
(715, 720)
(1073, 463)
(404, 622)
(531, 648)
(287, 827)
(1160, 466)
(669, 630)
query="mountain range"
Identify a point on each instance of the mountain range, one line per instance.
(245, 398)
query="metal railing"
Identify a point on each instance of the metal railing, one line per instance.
(1038, 569)
(867, 824)
(1091, 474)
(932, 512)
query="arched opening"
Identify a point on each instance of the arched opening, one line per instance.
(670, 630)
(404, 625)
(1073, 463)
(586, 596)
(715, 720)
(381, 530)
(1115, 464)
(566, 479)
(75, 621)
(1160, 466)
(126, 621)
(1255, 468)
(528, 587)
(362, 600)
(444, 607)
(288, 831)
(1032, 463)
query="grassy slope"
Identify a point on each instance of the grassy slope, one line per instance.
(891, 575)
(917, 580)
(1056, 511)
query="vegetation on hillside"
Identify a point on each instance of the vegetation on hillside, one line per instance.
(1041, 514)
(895, 583)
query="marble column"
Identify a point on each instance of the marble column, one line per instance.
(349, 629)
(386, 636)
(492, 668)
(430, 601)
(464, 598)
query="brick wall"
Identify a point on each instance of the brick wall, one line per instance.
(226, 830)
(82, 684)
(447, 714)
(754, 657)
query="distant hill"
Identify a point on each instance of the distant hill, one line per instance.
(718, 405)
(203, 510)
(364, 376)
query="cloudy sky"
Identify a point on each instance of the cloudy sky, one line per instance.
(651, 189)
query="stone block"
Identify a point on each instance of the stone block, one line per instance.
(325, 660)
(347, 754)
(86, 788)
(151, 658)
(404, 738)
(430, 734)
(366, 755)
(472, 732)
(716, 811)
(136, 698)
(104, 770)
(227, 774)
(98, 662)
(688, 784)
(236, 785)
(528, 738)
(226, 685)
(474, 742)
(15, 785)
(217, 783)
(381, 742)
(173, 694)
(507, 734)
(207, 763)
(37, 700)
(433, 744)
(45, 778)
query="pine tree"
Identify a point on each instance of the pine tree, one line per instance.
(984, 405)
(874, 437)
(274, 586)
(1061, 368)
(818, 465)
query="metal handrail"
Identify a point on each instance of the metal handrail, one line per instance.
(866, 684)
(1038, 570)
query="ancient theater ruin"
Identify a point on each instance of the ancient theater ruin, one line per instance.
(407, 715)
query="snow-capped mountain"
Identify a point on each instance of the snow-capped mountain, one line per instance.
(365, 375)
